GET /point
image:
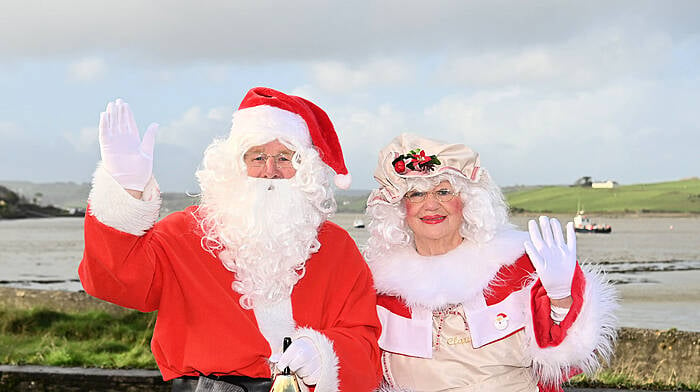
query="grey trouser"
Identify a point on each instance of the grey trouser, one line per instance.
(209, 385)
(203, 384)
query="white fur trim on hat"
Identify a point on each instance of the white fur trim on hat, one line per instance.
(116, 208)
(329, 381)
(269, 120)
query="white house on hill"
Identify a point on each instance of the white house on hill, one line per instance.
(609, 184)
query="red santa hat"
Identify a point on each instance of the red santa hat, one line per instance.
(271, 112)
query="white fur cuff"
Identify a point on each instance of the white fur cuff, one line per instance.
(328, 382)
(116, 208)
(589, 340)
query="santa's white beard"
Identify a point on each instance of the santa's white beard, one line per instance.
(266, 230)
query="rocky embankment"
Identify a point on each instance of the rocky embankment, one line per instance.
(12, 206)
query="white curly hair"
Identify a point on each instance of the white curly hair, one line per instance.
(484, 213)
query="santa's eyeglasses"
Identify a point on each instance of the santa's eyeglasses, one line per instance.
(282, 159)
(442, 195)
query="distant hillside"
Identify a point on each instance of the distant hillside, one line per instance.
(675, 196)
(63, 194)
(515, 188)
(72, 195)
(14, 206)
(352, 200)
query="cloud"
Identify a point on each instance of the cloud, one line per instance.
(219, 114)
(594, 57)
(545, 93)
(196, 128)
(27, 154)
(471, 117)
(252, 32)
(621, 130)
(362, 132)
(543, 136)
(87, 69)
(218, 73)
(338, 77)
(9, 130)
(307, 91)
(83, 140)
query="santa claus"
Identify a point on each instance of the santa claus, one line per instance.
(256, 261)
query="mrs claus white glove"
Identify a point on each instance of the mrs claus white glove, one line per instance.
(554, 259)
(303, 359)
(126, 157)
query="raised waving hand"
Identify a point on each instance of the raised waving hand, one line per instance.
(127, 157)
(554, 259)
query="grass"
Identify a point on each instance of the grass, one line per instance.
(91, 339)
(665, 197)
(607, 378)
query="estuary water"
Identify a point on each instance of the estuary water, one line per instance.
(653, 261)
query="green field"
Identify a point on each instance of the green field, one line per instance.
(664, 197)
(92, 339)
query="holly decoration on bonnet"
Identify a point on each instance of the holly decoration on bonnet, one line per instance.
(415, 160)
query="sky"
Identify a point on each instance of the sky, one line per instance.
(545, 91)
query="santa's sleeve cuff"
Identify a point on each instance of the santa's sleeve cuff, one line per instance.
(112, 205)
(588, 340)
(329, 380)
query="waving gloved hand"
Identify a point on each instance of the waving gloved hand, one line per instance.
(303, 359)
(126, 157)
(554, 259)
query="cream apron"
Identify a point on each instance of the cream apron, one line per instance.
(458, 367)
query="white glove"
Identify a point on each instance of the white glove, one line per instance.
(303, 359)
(554, 260)
(128, 159)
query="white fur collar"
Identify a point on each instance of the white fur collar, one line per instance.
(455, 277)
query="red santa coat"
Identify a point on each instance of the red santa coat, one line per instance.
(499, 290)
(201, 327)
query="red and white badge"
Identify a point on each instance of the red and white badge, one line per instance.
(501, 321)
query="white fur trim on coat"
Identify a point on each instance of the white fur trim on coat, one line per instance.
(116, 208)
(329, 380)
(458, 276)
(275, 322)
(589, 339)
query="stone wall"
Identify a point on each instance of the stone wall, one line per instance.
(668, 356)
(48, 379)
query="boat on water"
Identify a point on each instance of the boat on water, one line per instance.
(583, 224)
(358, 223)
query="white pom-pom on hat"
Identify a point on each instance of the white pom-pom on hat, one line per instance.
(343, 181)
